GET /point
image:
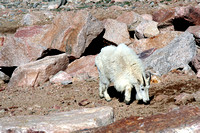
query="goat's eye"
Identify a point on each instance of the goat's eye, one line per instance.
(142, 89)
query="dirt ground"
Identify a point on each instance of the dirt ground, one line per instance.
(48, 98)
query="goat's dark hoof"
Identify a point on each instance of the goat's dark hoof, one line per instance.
(147, 102)
(101, 95)
(127, 102)
(108, 100)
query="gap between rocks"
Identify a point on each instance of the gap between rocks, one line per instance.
(181, 24)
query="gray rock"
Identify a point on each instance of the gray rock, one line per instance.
(177, 54)
(3, 76)
(35, 4)
(2, 7)
(59, 122)
(27, 19)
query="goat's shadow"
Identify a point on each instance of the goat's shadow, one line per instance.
(120, 95)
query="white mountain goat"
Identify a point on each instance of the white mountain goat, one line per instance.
(122, 66)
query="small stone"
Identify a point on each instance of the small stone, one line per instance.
(2, 7)
(66, 82)
(84, 102)
(50, 7)
(56, 107)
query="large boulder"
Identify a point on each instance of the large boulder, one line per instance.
(195, 30)
(196, 63)
(116, 32)
(83, 68)
(157, 42)
(72, 32)
(64, 122)
(175, 55)
(23, 47)
(110, 13)
(163, 16)
(177, 17)
(183, 119)
(34, 73)
(147, 29)
(131, 19)
(189, 13)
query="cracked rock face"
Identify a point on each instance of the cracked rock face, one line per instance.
(177, 54)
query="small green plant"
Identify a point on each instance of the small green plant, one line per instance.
(84, 6)
(127, 3)
(107, 1)
(57, 9)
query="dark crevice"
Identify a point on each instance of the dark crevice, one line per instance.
(8, 70)
(71, 59)
(97, 44)
(181, 24)
(197, 40)
(132, 33)
(50, 52)
(192, 67)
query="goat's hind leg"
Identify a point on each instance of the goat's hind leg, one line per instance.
(103, 87)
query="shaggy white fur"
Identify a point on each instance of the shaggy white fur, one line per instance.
(122, 66)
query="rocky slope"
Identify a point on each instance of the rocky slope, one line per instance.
(164, 34)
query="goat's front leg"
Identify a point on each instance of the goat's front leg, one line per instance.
(138, 94)
(103, 87)
(127, 94)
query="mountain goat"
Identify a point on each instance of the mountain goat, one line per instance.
(122, 66)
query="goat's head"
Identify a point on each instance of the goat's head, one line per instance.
(143, 92)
